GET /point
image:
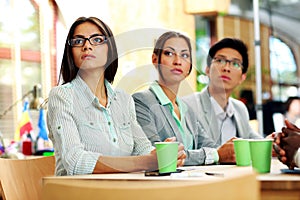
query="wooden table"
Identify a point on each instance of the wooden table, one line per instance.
(278, 185)
(273, 185)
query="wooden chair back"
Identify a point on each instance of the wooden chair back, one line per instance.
(21, 179)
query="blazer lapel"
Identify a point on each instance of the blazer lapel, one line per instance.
(166, 111)
(210, 116)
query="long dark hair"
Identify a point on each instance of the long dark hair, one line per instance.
(68, 69)
(159, 45)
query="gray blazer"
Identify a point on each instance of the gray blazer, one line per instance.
(159, 124)
(201, 103)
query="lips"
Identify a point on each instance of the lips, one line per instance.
(225, 78)
(87, 56)
(177, 71)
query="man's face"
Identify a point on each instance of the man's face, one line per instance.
(225, 71)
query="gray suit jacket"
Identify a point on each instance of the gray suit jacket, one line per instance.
(200, 102)
(159, 124)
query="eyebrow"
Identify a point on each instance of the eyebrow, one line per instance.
(222, 56)
(82, 36)
(184, 50)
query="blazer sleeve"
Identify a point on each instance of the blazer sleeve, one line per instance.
(145, 117)
(242, 119)
(204, 151)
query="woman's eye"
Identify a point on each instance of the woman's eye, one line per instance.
(78, 41)
(98, 40)
(185, 55)
(168, 53)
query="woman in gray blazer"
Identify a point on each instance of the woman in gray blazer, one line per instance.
(162, 114)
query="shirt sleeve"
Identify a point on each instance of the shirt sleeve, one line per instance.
(61, 120)
(202, 156)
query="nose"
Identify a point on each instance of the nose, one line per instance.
(226, 67)
(177, 60)
(87, 45)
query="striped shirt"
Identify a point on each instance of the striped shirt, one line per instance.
(81, 129)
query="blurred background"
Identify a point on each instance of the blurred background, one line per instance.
(33, 33)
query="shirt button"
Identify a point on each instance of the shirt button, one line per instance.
(114, 140)
(91, 123)
(108, 123)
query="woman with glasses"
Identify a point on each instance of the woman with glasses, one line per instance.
(223, 117)
(92, 126)
(161, 112)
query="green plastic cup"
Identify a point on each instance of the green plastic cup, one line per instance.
(242, 152)
(261, 154)
(166, 156)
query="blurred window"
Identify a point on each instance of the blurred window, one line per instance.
(283, 70)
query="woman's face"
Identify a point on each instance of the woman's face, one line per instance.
(89, 56)
(175, 61)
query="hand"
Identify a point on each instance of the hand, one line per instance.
(226, 152)
(181, 155)
(287, 143)
(272, 136)
(290, 145)
(170, 139)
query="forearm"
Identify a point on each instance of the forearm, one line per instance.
(109, 164)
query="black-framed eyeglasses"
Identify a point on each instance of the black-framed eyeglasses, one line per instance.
(93, 40)
(234, 64)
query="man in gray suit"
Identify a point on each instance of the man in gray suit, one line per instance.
(223, 117)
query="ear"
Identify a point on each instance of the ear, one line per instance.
(207, 70)
(243, 78)
(154, 60)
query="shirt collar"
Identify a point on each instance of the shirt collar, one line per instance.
(90, 97)
(163, 99)
(229, 110)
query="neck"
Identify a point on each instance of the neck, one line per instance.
(220, 95)
(95, 82)
(170, 91)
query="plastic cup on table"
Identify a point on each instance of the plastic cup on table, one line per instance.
(261, 154)
(167, 156)
(242, 152)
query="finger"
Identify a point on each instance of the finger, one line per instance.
(292, 166)
(180, 162)
(180, 147)
(276, 149)
(283, 159)
(231, 139)
(170, 139)
(181, 155)
(290, 125)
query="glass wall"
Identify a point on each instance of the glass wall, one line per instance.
(20, 62)
(283, 70)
